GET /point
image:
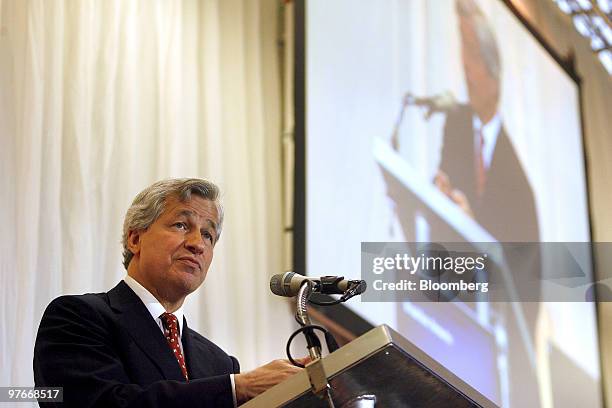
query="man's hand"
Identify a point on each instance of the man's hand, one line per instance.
(253, 383)
(444, 185)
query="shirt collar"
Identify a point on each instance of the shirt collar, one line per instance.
(489, 131)
(151, 303)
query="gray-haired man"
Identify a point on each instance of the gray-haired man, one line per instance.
(131, 346)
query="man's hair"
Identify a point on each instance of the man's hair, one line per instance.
(150, 203)
(468, 10)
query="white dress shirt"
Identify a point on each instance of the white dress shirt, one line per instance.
(489, 131)
(156, 309)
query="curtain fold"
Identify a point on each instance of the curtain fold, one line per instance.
(98, 99)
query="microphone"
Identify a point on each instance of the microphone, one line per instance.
(288, 284)
(443, 102)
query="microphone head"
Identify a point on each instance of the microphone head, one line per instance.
(288, 284)
(276, 284)
(280, 284)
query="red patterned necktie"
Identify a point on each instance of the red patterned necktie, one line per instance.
(171, 332)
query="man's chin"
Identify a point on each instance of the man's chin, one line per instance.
(189, 280)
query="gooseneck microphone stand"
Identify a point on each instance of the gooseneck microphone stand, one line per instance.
(316, 373)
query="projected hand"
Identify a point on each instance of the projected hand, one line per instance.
(442, 181)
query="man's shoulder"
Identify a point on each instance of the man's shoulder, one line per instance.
(459, 121)
(72, 318)
(93, 299)
(458, 134)
(461, 111)
(83, 306)
(121, 293)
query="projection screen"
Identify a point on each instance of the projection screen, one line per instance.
(421, 80)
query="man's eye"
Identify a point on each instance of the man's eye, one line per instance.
(181, 225)
(207, 235)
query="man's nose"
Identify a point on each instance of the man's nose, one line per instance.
(194, 242)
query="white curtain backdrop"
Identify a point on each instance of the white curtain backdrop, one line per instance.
(100, 98)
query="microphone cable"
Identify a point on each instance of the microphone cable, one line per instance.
(330, 341)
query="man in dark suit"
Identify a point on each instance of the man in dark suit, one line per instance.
(131, 346)
(480, 169)
(482, 173)
(503, 202)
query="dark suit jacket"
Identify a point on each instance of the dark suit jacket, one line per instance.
(507, 208)
(106, 350)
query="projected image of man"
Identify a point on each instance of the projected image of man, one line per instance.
(480, 169)
(482, 173)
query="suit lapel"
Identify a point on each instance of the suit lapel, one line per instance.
(196, 366)
(138, 322)
(461, 159)
(199, 356)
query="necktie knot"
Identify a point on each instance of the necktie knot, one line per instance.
(169, 320)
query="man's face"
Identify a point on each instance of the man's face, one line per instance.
(483, 88)
(173, 255)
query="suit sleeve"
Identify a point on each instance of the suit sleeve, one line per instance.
(235, 365)
(75, 350)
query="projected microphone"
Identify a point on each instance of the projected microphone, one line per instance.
(443, 102)
(288, 284)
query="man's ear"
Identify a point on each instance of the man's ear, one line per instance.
(133, 241)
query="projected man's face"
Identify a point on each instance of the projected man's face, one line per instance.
(482, 87)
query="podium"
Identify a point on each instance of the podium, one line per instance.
(379, 369)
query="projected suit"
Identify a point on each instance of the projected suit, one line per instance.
(506, 208)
